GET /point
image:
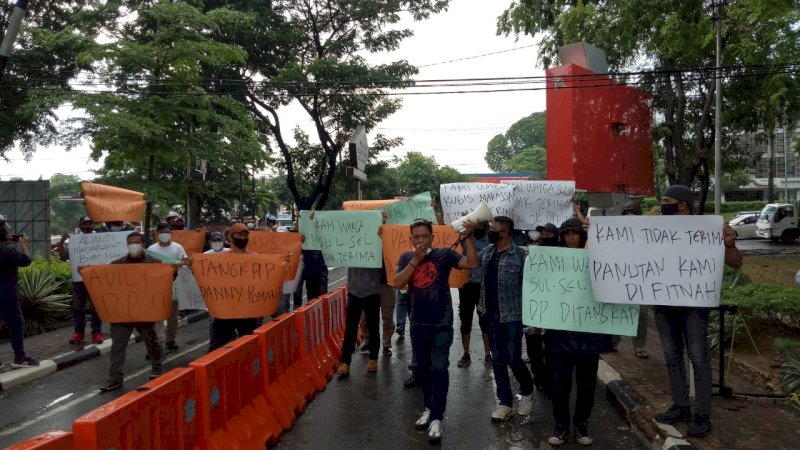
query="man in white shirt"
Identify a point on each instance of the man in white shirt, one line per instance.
(217, 242)
(172, 250)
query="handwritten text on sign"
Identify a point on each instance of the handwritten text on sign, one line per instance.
(658, 260)
(405, 211)
(91, 249)
(240, 286)
(557, 295)
(539, 202)
(460, 199)
(397, 240)
(269, 242)
(130, 292)
(188, 291)
(345, 238)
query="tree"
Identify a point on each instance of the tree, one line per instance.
(64, 215)
(418, 173)
(521, 135)
(673, 38)
(533, 159)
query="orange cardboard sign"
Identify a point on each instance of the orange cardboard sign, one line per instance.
(110, 203)
(191, 240)
(130, 292)
(361, 205)
(396, 240)
(240, 286)
(272, 243)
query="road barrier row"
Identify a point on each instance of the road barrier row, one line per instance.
(243, 395)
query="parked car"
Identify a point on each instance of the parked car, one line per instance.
(746, 213)
(778, 221)
(744, 225)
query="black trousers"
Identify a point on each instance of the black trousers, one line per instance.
(585, 367)
(371, 307)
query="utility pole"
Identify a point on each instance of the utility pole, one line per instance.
(717, 5)
(14, 24)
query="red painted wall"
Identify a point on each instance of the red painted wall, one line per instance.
(598, 132)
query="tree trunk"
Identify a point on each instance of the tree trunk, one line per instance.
(771, 169)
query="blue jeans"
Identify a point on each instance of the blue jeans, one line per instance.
(401, 309)
(679, 328)
(431, 346)
(505, 340)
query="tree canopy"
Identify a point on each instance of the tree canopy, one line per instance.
(523, 136)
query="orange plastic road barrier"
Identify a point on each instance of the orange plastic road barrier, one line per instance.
(337, 305)
(161, 415)
(285, 378)
(331, 325)
(316, 357)
(52, 440)
(230, 382)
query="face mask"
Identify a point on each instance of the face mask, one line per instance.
(240, 243)
(216, 246)
(494, 236)
(116, 227)
(164, 237)
(669, 209)
(134, 249)
(533, 235)
(478, 233)
(251, 226)
(550, 242)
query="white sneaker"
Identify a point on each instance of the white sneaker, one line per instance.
(435, 431)
(423, 420)
(525, 405)
(501, 413)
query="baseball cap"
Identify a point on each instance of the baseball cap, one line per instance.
(239, 227)
(680, 193)
(572, 225)
(549, 227)
(215, 236)
(632, 207)
(85, 219)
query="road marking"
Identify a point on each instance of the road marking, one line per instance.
(90, 395)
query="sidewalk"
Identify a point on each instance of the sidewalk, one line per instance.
(54, 352)
(639, 389)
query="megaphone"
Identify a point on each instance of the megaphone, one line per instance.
(481, 214)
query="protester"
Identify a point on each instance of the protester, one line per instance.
(468, 298)
(314, 275)
(226, 330)
(633, 208)
(173, 251)
(686, 327)
(121, 332)
(116, 225)
(251, 222)
(175, 221)
(271, 222)
(536, 342)
(574, 351)
(426, 271)
(500, 273)
(11, 260)
(217, 243)
(81, 301)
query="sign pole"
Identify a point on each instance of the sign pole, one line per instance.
(359, 155)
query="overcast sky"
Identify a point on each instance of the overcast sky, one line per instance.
(454, 128)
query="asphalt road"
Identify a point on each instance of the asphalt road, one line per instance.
(766, 247)
(364, 411)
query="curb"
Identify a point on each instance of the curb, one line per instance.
(628, 403)
(69, 359)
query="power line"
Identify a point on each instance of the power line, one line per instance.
(476, 56)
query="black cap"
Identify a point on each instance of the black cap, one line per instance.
(680, 193)
(215, 236)
(85, 219)
(549, 227)
(571, 225)
(632, 207)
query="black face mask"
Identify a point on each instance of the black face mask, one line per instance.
(240, 243)
(549, 242)
(494, 236)
(669, 209)
(478, 233)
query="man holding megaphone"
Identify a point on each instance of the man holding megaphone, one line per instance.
(426, 271)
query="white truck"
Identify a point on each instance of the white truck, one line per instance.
(778, 221)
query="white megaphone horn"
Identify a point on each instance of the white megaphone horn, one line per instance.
(481, 214)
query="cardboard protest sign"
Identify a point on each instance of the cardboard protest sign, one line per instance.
(240, 286)
(557, 295)
(130, 292)
(459, 199)
(405, 211)
(540, 202)
(657, 260)
(110, 203)
(188, 291)
(270, 242)
(91, 249)
(345, 238)
(396, 240)
(364, 205)
(191, 240)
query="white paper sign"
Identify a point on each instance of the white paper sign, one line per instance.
(540, 202)
(92, 249)
(188, 291)
(657, 260)
(460, 199)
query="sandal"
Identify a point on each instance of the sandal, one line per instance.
(641, 353)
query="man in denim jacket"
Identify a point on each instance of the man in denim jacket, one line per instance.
(500, 271)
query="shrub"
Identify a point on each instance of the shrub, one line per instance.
(652, 203)
(62, 271)
(41, 302)
(766, 302)
(790, 383)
